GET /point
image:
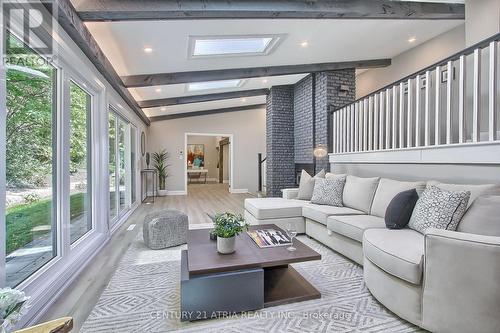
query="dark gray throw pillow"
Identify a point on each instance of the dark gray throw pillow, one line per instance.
(398, 213)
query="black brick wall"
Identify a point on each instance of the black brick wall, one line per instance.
(280, 165)
(290, 124)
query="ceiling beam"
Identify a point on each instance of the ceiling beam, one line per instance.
(201, 98)
(144, 80)
(76, 29)
(133, 10)
(207, 112)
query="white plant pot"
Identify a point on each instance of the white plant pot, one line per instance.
(226, 245)
(162, 193)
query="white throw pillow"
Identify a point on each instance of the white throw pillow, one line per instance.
(440, 209)
(329, 191)
(306, 185)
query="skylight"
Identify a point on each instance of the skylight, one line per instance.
(213, 85)
(203, 46)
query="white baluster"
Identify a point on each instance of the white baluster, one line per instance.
(365, 124)
(437, 119)
(394, 116)
(370, 123)
(492, 97)
(448, 102)
(381, 129)
(461, 99)
(401, 115)
(427, 107)
(388, 119)
(417, 111)
(476, 97)
(356, 126)
(375, 121)
(409, 116)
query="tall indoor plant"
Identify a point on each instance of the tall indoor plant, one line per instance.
(160, 164)
(227, 227)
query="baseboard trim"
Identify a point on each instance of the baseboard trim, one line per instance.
(176, 192)
(238, 190)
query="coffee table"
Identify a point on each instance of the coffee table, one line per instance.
(214, 285)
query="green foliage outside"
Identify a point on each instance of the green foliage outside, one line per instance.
(30, 126)
(22, 219)
(228, 225)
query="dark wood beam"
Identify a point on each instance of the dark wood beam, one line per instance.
(201, 98)
(127, 10)
(76, 29)
(207, 112)
(143, 80)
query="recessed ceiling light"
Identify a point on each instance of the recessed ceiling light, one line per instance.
(304, 44)
(243, 99)
(148, 49)
(158, 90)
(412, 39)
(206, 46)
(264, 81)
(213, 85)
(163, 108)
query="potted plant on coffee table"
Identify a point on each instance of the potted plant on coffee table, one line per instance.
(227, 227)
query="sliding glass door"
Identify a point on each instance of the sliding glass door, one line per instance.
(122, 165)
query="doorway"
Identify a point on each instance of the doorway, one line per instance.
(208, 161)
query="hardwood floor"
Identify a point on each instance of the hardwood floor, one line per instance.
(80, 297)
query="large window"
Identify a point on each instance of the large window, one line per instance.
(113, 212)
(80, 162)
(30, 166)
(122, 168)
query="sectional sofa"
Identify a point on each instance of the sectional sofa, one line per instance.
(443, 281)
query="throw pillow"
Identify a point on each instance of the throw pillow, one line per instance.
(399, 210)
(437, 208)
(328, 192)
(306, 185)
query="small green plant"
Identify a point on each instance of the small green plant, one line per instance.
(160, 164)
(229, 225)
(31, 198)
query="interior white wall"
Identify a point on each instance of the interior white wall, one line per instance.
(50, 281)
(249, 138)
(411, 61)
(482, 20)
(211, 153)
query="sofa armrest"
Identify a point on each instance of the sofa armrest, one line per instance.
(461, 282)
(290, 193)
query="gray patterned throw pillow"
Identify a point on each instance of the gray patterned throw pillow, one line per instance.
(437, 208)
(329, 191)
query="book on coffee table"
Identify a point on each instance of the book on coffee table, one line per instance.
(269, 238)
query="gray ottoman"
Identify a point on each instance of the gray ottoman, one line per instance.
(165, 228)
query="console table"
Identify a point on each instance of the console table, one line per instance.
(198, 172)
(145, 174)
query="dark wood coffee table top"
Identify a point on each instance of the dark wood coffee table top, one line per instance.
(203, 257)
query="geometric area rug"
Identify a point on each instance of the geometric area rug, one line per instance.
(144, 296)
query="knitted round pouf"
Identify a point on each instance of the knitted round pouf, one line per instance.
(165, 228)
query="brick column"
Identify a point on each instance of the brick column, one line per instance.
(328, 96)
(280, 166)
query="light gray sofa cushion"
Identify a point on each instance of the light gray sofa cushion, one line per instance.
(330, 175)
(398, 252)
(353, 226)
(387, 189)
(272, 208)
(483, 217)
(328, 191)
(306, 186)
(475, 190)
(359, 192)
(320, 213)
(438, 208)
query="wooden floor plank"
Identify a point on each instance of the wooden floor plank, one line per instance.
(80, 297)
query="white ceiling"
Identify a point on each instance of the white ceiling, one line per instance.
(220, 104)
(175, 90)
(328, 41)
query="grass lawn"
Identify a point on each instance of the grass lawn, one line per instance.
(21, 219)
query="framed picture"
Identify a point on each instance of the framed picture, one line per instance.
(444, 76)
(195, 155)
